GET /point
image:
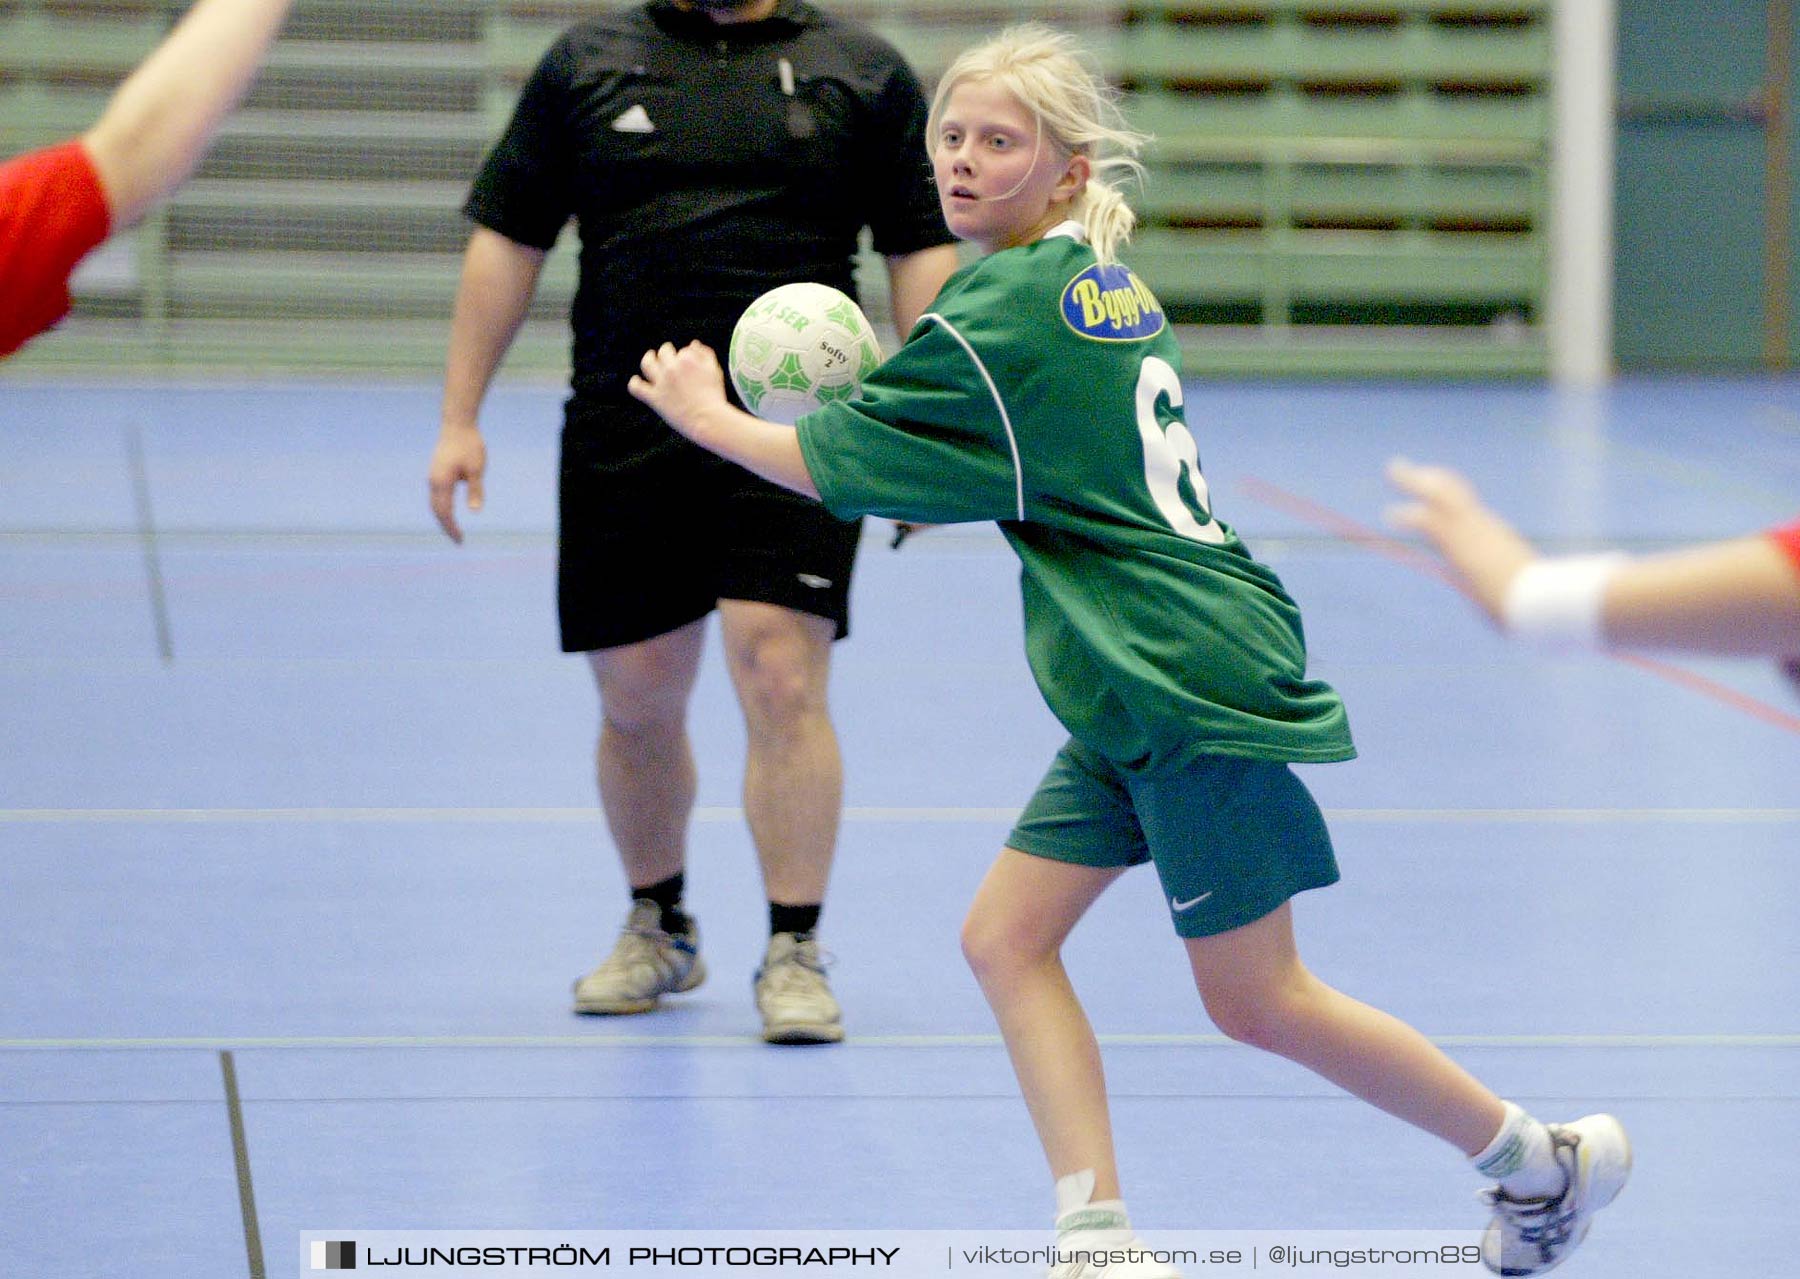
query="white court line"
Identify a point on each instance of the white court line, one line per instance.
(456, 816)
(1567, 816)
(214, 1043)
(591, 815)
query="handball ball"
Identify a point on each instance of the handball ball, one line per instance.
(799, 347)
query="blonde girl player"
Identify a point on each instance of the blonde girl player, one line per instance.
(1043, 391)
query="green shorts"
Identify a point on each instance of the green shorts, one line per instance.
(1231, 838)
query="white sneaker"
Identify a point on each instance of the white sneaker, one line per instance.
(645, 965)
(791, 993)
(1097, 1243)
(1530, 1236)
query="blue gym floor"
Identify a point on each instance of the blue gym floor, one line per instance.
(290, 785)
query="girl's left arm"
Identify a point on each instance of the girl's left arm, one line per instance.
(914, 280)
(687, 388)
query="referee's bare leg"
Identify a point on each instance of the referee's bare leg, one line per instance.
(644, 763)
(780, 663)
(645, 770)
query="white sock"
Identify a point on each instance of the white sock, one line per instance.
(1077, 1210)
(1521, 1158)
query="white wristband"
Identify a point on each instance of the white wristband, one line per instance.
(1560, 603)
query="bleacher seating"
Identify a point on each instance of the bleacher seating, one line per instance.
(1335, 185)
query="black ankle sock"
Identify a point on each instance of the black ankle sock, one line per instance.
(666, 893)
(793, 919)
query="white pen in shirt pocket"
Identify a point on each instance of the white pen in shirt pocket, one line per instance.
(785, 72)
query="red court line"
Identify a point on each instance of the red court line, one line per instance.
(1712, 688)
(1372, 539)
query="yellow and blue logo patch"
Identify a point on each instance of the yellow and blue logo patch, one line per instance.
(1110, 304)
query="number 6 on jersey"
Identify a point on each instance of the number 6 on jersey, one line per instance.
(1167, 451)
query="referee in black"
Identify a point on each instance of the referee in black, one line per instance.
(707, 151)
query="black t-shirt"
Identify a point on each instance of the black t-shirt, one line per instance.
(705, 163)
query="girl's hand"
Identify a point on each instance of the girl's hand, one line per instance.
(682, 386)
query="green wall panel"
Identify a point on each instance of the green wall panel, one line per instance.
(1691, 178)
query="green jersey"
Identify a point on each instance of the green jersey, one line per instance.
(1043, 391)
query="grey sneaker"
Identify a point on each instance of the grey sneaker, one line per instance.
(645, 965)
(1530, 1236)
(791, 993)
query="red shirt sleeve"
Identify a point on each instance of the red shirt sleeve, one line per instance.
(52, 214)
(1787, 537)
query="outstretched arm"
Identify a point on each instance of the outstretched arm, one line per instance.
(687, 387)
(1738, 597)
(160, 122)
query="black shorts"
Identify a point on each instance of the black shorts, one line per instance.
(654, 532)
